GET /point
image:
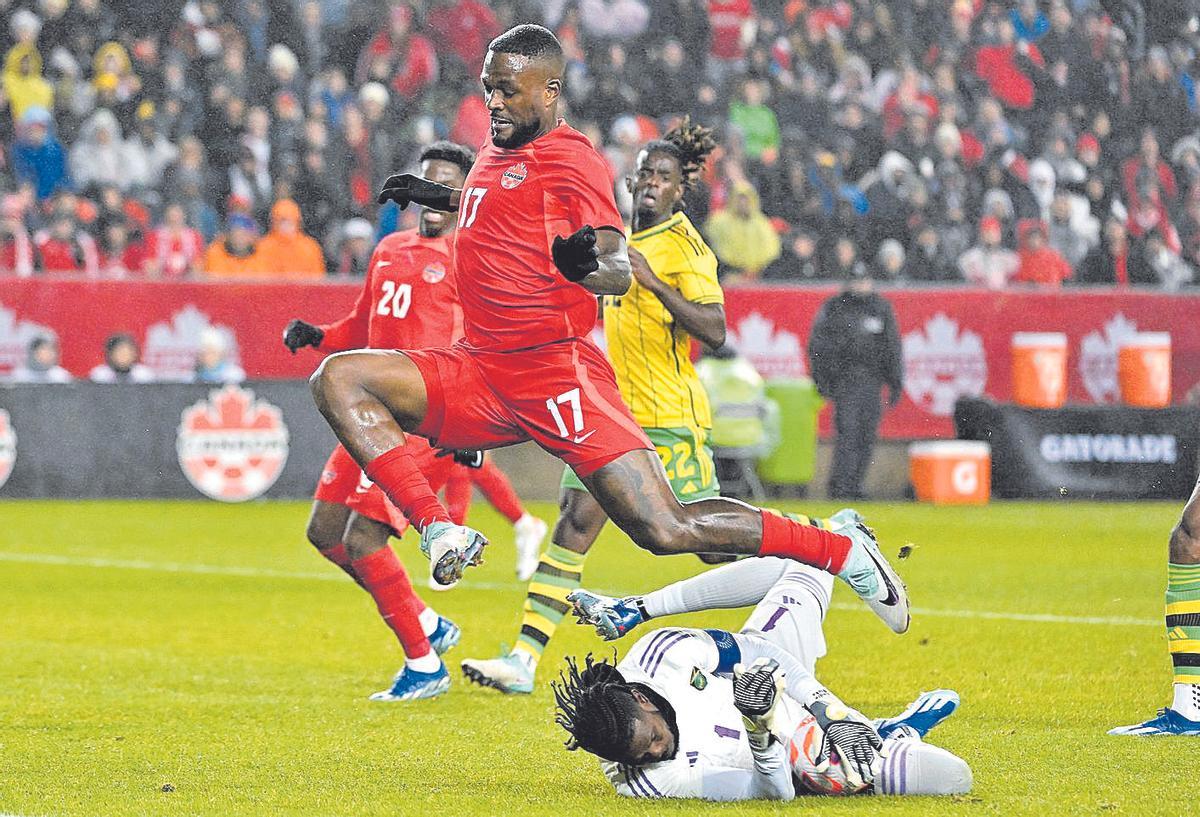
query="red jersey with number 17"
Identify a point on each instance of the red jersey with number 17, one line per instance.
(408, 300)
(513, 205)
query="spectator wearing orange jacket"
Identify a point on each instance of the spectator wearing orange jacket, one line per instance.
(285, 251)
(233, 254)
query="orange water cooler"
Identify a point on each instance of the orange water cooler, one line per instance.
(1039, 369)
(951, 472)
(1144, 370)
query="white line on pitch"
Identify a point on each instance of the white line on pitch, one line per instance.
(335, 576)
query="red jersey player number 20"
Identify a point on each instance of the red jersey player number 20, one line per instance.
(527, 369)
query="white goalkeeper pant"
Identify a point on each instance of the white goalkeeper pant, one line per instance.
(791, 601)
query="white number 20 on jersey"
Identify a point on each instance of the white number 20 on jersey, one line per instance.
(395, 300)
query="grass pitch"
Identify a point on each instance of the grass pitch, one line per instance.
(199, 659)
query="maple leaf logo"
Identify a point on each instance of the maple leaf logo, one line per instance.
(171, 347)
(232, 446)
(774, 352)
(1098, 358)
(15, 336)
(942, 364)
(8, 447)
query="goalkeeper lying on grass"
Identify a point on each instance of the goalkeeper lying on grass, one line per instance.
(739, 716)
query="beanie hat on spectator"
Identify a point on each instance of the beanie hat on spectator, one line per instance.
(358, 228)
(24, 20)
(1087, 142)
(36, 115)
(989, 224)
(374, 91)
(241, 221)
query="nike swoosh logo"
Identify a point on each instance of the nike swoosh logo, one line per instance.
(582, 438)
(382, 264)
(892, 597)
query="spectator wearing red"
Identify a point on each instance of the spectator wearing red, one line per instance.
(1006, 68)
(398, 55)
(463, 28)
(65, 249)
(121, 255)
(1147, 169)
(732, 24)
(1040, 264)
(174, 250)
(909, 97)
(16, 248)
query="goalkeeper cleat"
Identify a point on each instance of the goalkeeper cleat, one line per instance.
(451, 549)
(870, 576)
(846, 517)
(509, 674)
(611, 617)
(926, 712)
(528, 531)
(445, 636)
(1168, 722)
(410, 685)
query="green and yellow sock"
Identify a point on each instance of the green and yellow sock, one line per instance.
(558, 573)
(815, 521)
(1183, 621)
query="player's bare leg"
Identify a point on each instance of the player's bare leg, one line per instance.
(1183, 629)
(422, 633)
(326, 529)
(634, 491)
(370, 399)
(559, 572)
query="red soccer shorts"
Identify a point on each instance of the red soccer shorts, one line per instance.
(343, 482)
(339, 478)
(563, 396)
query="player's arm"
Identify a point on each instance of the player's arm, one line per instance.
(703, 321)
(351, 332)
(406, 188)
(597, 260)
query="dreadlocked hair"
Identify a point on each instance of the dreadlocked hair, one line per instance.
(595, 705)
(690, 144)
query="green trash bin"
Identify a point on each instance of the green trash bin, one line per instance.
(794, 460)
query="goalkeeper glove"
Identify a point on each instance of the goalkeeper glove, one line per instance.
(756, 690)
(403, 188)
(466, 456)
(854, 739)
(576, 256)
(298, 334)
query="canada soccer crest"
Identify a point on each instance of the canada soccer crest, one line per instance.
(434, 273)
(1098, 358)
(514, 176)
(942, 364)
(8, 447)
(774, 351)
(231, 446)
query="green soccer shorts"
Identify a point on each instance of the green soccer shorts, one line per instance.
(686, 458)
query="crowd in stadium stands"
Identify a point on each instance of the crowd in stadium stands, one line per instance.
(991, 143)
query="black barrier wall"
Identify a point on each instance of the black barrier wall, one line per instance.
(233, 443)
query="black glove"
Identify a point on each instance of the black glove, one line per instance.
(894, 393)
(755, 689)
(405, 187)
(468, 457)
(856, 742)
(576, 256)
(298, 334)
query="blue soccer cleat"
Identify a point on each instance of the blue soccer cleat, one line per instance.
(611, 617)
(451, 549)
(411, 685)
(869, 574)
(926, 712)
(1168, 722)
(445, 636)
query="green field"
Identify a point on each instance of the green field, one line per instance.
(200, 659)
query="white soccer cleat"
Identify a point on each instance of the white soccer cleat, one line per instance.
(528, 531)
(451, 549)
(508, 673)
(870, 575)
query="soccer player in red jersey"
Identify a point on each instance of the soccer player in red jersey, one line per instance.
(408, 300)
(539, 236)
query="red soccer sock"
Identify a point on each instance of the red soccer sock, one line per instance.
(338, 555)
(498, 490)
(384, 578)
(458, 494)
(790, 539)
(396, 472)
